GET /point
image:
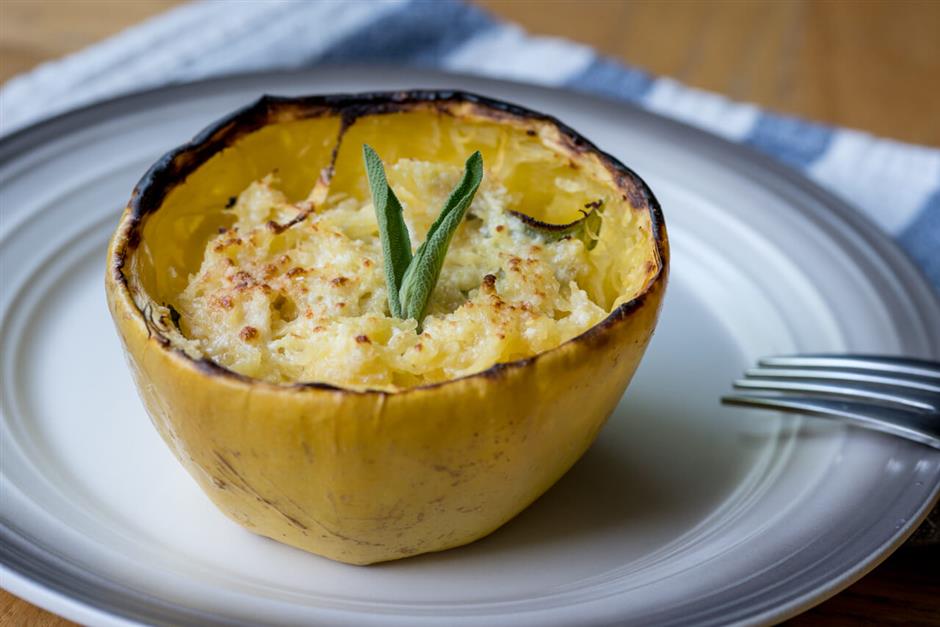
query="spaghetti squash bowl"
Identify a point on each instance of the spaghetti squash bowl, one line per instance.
(245, 282)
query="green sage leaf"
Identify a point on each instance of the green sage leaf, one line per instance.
(586, 229)
(425, 268)
(396, 244)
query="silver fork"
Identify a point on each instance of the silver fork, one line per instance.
(894, 395)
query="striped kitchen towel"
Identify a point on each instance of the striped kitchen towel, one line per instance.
(897, 185)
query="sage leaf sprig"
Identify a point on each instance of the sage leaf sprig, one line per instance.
(411, 279)
(396, 244)
(586, 228)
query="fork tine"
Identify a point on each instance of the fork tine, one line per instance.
(842, 375)
(912, 400)
(873, 363)
(917, 426)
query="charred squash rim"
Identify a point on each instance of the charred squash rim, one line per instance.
(175, 166)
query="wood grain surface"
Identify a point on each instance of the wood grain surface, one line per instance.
(872, 65)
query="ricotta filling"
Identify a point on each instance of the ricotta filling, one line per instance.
(308, 303)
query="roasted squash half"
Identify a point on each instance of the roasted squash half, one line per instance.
(361, 473)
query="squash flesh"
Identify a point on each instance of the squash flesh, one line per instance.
(309, 303)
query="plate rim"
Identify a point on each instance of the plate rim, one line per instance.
(911, 280)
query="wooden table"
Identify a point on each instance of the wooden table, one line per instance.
(873, 65)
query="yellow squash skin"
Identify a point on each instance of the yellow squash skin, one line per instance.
(370, 476)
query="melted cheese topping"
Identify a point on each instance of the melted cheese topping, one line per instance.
(308, 303)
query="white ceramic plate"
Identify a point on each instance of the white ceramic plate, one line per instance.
(682, 512)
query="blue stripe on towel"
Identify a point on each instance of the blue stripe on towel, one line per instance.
(421, 34)
(609, 78)
(795, 142)
(921, 239)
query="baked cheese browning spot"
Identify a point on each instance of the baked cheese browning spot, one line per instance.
(309, 304)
